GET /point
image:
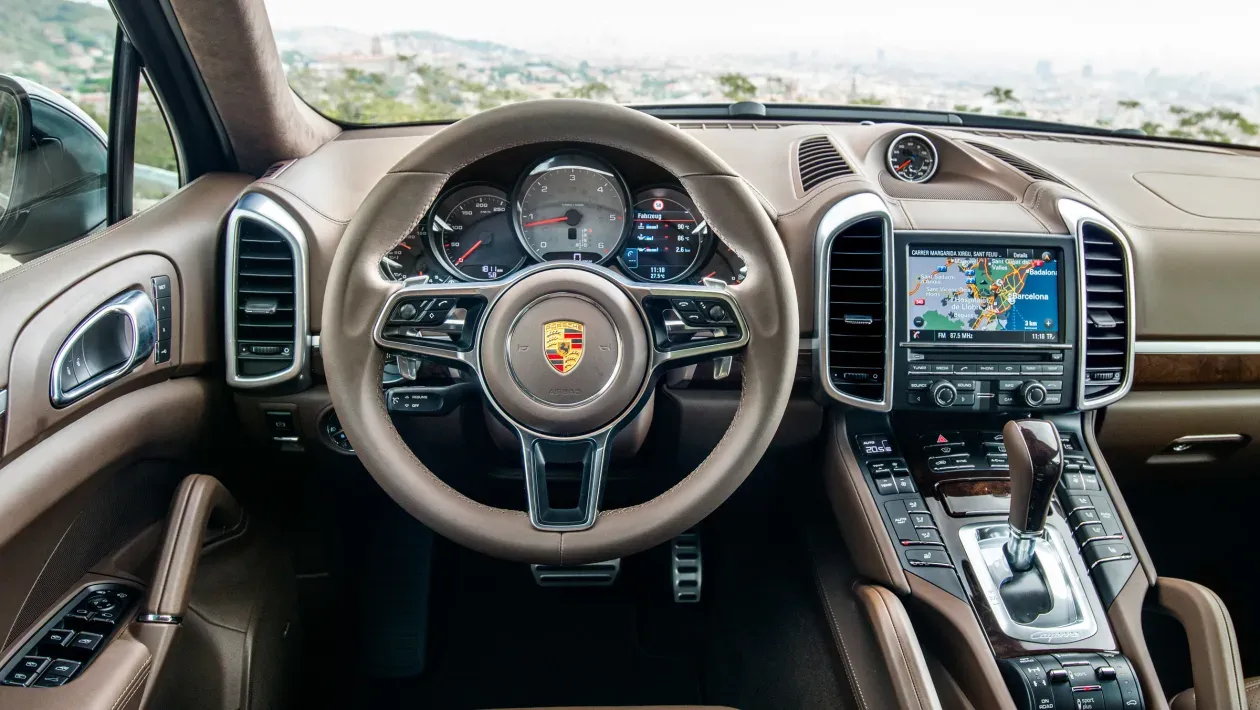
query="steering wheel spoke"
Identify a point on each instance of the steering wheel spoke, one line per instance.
(691, 322)
(437, 321)
(582, 462)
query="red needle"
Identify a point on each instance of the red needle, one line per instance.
(903, 165)
(404, 246)
(553, 220)
(471, 249)
(710, 275)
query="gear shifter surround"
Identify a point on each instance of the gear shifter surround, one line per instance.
(1035, 456)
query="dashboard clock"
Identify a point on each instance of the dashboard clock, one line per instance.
(912, 158)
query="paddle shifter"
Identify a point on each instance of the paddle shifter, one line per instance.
(1035, 456)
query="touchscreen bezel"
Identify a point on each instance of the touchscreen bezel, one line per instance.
(979, 337)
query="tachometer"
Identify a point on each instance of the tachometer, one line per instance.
(472, 234)
(912, 157)
(666, 236)
(571, 207)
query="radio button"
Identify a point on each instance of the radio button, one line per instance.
(1033, 369)
(946, 369)
(1006, 399)
(1053, 385)
(964, 369)
(965, 399)
(919, 368)
(987, 369)
(1052, 369)
(1054, 399)
(919, 384)
(1009, 385)
(1008, 369)
(914, 398)
(965, 385)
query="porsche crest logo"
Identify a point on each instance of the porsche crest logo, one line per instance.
(562, 344)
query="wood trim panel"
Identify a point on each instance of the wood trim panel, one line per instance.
(1193, 369)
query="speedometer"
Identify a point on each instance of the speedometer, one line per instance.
(472, 235)
(571, 207)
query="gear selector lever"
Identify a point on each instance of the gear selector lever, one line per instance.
(1035, 456)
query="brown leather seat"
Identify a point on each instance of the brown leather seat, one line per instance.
(1185, 700)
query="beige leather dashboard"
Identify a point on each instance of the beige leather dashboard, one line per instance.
(1182, 206)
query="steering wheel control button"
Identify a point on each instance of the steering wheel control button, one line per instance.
(415, 402)
(683, 304)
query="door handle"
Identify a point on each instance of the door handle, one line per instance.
(113, 341)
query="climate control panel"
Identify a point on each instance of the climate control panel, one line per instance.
(999, 380)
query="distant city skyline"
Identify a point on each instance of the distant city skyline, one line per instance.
(965, 36)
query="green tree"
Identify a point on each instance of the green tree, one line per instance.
(964, 108)
(589, 90)
(1002, 95)
(737, 87)
(1129, 104)
(867, 101)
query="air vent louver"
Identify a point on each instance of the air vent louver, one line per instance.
(818, 161)
(266, 280)
(1106, 312)
(1031, 171)
(275, 169)
(856, 313)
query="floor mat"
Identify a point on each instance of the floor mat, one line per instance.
(498, 640)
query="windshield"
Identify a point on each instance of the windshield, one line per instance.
(1150, 65)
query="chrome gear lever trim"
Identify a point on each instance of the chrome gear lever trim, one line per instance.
(1035, 456)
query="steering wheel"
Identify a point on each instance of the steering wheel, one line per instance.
(565, 353)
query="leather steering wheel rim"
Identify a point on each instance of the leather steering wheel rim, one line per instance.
(357, 296)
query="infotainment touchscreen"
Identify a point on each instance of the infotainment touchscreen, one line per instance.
(983, 294)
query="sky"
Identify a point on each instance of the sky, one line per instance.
(1173, 36)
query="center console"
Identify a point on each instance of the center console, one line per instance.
(976, 459)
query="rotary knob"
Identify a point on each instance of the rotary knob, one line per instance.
(944, 393)
(1034, 394)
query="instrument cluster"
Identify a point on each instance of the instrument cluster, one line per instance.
(569, 206)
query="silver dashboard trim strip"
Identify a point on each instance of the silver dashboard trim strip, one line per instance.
(1077, 216)
(4, 401)
(1197, 347)
(267, 212)
(841, 215)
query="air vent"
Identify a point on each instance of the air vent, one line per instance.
(266, 304)
(1106, 312)
(1031, 171)
(856, 311)
(818, 161)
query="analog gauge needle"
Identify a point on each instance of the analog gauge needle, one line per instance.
(903, 165)
(553, 220)
(391, 263)
(468, 253)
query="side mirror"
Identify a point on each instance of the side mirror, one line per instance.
(53, 170)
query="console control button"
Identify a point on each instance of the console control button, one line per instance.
(995, 447)
(965, 399)
(19, 677)
(900, 520)
(920, 368)
(998, 462)
(1105, 551)
(1009, 385)
(1031, 370)
(1053, 385)
(944, 394)
(1082, 516)
(1073, 502)
(1088, 699)
(942, 437)
(987, 369)
(1008, 369)
(1090, 532)
(936, 450)
(885, 486)
(928, 557)
(919, 385)
(1054, 399)
(1034, 394)
(964, 369)
(1006, 399)
(928, 536)
(1091, 481)
(1073, 482)
(943, 369)
(915, 505)
(905, 484)
(965, 385)
(922, 520)
(1052, 369)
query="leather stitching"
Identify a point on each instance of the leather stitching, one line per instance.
(1222, 620)
(835, 632)
(280, 188)
(136, 682)
(901, 649)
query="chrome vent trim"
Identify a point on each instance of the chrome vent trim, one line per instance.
(818, 160)
(1101, 248)
(1029, 170)
(838, 219)
(261, 210)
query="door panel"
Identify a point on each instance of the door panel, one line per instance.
(84, 488)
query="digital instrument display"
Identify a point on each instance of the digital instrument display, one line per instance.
(983, 295)
(666, 236)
